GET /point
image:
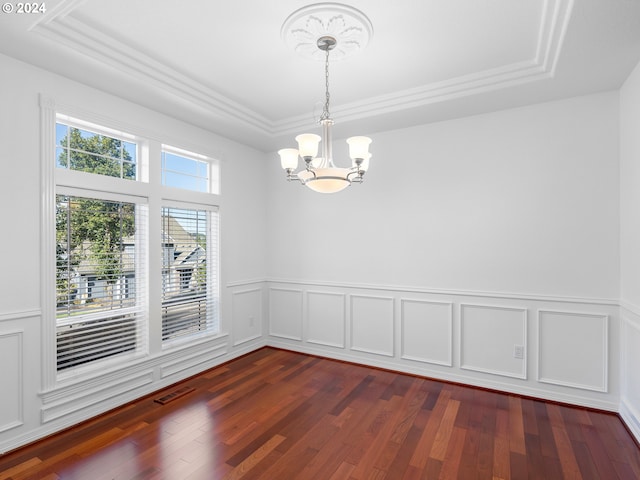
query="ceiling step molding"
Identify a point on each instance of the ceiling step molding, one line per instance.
(553, 26)
(63, 27)
(83, 37)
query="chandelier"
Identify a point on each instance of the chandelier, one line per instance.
(319, 173)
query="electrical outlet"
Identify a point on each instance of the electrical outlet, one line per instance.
(518, 351)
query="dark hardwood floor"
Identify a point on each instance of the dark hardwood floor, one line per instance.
(280, 415)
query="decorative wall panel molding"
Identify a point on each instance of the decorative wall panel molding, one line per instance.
(285, 313)
(573, 349)
(491, 337)
(427, 331)
(204, 358)
(21, 315)
(484, 330)
(412, 289)
(11, 379)
(245, 283)
(630, 308)
(630, 398)
(99, 394)
(372, 324)
(246, 314)
(326, 322)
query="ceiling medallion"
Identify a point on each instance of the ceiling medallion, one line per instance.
(351, 29)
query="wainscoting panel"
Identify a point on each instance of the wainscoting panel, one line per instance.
(490, 335)
(427, 331)
(11, 379)
(193, 361)
(98, 395)
(573, 349)
(246, 311)
(285, 313)
(372, 324)
(326, 318)
(630, 398)
(492, 340)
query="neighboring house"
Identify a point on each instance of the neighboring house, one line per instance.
(183, 259)
(89, 286)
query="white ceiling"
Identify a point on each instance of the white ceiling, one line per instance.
(222, 65)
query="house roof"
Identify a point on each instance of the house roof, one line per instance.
(188, 253)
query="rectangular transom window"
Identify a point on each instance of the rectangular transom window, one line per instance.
(189, 272)
(88, 151)
(188, 171)
(99, 279)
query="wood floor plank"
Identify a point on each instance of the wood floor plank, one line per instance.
(443, 434)
(252, 460)
(451, 462)
(343, 472)
(501, 445)
(423, 448)
(565, 450)
(516, 426)
(275, 414)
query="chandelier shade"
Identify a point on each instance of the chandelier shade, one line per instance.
(325, 180)
(319, 173)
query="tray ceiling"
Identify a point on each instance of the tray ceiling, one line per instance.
(223, 65)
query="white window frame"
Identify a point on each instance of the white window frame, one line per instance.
(89, 185)
(141, 173)
(213, 168)
(147, 190)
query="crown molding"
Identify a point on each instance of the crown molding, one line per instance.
(65, 29)
(109, 50)
(553, 27)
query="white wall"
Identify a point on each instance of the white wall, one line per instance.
(520, 201)
(26, 412)
(629, 248)
(468, 238)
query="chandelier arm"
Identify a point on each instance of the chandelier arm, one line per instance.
(312, 171)
(359, 174)
(292, 177)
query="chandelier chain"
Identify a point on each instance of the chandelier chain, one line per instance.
(325, 112)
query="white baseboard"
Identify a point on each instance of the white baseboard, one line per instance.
(631, 417)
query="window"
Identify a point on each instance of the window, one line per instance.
(101, 310)
(188, 171)
(100, 183)
(189, 272)
(98, 312)
(100, 294)
(183, 172)
(87, 151)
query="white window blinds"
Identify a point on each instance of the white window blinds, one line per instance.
(100, 279)
(189, 272)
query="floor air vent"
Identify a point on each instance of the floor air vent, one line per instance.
(163, 400)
